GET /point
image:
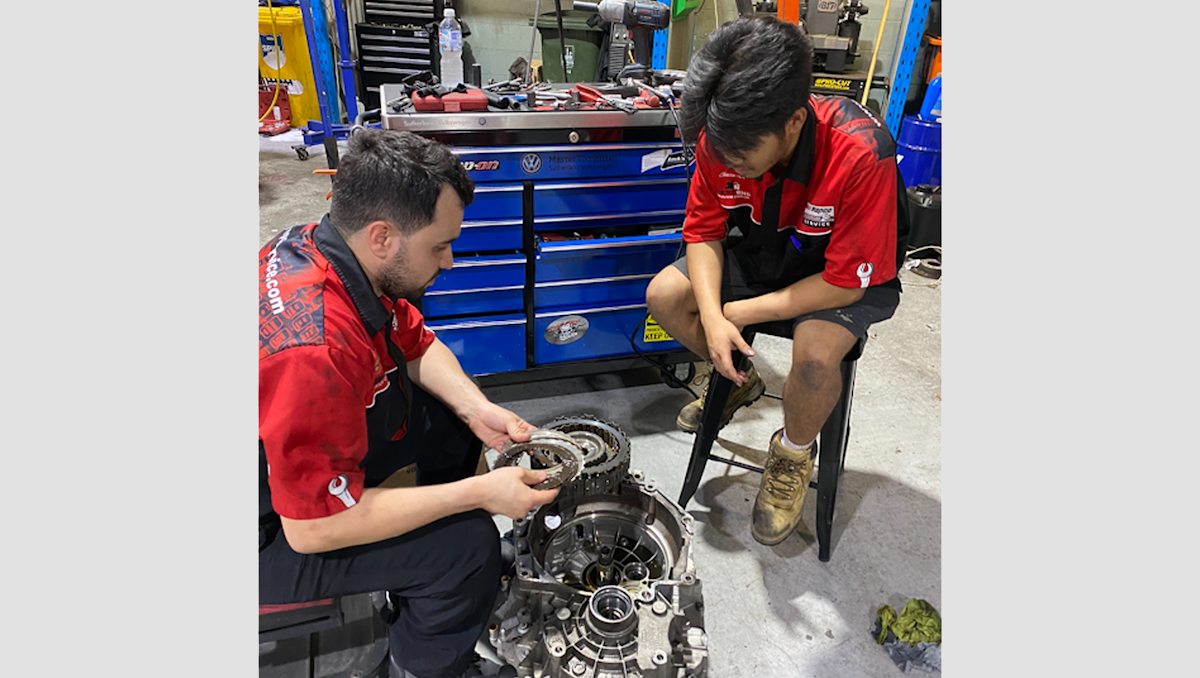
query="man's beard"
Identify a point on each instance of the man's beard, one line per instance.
(395, 281)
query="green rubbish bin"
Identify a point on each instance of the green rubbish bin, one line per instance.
(582, 46)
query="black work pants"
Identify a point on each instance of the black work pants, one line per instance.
(445, 575)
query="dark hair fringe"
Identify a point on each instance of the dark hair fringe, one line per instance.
(747, 80)
(397, 177)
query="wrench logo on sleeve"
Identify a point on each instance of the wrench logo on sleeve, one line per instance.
(340, 488)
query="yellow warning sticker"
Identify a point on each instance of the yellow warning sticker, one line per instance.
(655, 332)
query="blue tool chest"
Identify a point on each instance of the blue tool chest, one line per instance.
(557, 249)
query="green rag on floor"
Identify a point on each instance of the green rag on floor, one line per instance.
(919, 622)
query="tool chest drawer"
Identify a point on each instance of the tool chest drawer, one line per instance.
(481, 284)
(577, 204)
(605, 257)
(487, 345)
(402, 11)
(614, 290)
(389, 53)
(566, 334)
(493, 201)
(482, 236)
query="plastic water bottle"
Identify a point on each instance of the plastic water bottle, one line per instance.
(450, 43)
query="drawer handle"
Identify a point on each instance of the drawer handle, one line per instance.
(485, 224)
(609, 184)
(555, 314)
(434, 293)
(472, 325)
(497, 189)
(586, 281)
(601, 244)
(492, 262)
(623, 215)
(389, 70)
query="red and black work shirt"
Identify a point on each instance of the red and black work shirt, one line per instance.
(332, 386)
(837, 208)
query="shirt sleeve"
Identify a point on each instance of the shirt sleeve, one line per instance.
(311, 424)
(862, 246)
(705, 219)
(411, 335)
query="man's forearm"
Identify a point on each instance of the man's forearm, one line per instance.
(808, 295)
(705, 262)
(381, 513)
(439, 373)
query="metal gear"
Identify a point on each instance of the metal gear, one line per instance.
(606, 454)
(567, 462)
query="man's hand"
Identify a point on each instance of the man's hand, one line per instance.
(495, 426)
(506, 491)
(723, 337)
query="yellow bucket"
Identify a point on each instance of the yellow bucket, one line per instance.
(284, 58)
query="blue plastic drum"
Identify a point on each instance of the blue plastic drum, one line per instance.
(919, 152)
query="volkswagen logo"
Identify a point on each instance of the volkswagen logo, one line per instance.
(531, 163)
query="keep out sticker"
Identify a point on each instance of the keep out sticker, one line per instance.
(566, 329)
(654, 332)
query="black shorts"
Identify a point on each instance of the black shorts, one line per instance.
(877, 304)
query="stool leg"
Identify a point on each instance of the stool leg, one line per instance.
(834, 439)
(710, 421)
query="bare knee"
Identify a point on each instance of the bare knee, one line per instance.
(812, 373)
(669, 294)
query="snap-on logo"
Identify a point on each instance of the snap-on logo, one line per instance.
(818, 216)
(481, 165)
(864, 271)
(531, 163)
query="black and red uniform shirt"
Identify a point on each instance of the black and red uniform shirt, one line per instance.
(836, 209)
(332, 386)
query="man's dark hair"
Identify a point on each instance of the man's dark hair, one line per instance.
(394, 176)
(750, 76)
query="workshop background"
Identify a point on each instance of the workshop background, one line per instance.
(769, 611)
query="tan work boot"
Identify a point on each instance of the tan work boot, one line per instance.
(781, 494)
(740, 396)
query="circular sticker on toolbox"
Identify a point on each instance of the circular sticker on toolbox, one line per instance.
(566, 329)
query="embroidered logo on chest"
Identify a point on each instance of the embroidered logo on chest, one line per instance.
(732, 190)
(818, 216)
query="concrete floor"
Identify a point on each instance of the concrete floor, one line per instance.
(770, 611)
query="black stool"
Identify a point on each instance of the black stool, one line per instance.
(834, 434)
(340, 637)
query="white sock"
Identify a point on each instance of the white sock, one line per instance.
(793, 446)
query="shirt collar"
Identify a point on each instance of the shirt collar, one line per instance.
(371, 309)
(799, 168)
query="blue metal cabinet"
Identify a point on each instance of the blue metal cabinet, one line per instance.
(561, 240)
